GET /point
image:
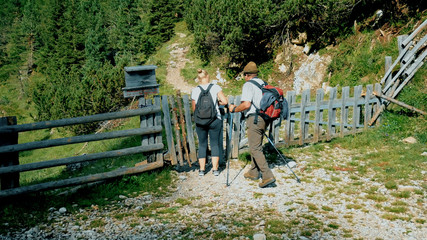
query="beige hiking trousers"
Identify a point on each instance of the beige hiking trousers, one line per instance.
(255, 136)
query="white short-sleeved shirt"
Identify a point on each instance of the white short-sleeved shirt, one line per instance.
(215, 89)
(253, 94)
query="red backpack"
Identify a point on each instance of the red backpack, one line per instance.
(273, 105)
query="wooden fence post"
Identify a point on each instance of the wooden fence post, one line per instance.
(318, 115)
(345, 93)
(168, 129)
(8, 181)
(150, 123)
(177, 132)
(158, 122)
(356, 108)
(182, 126)
(305, 100)
(368, 106)
(378, 107)
(143, 121)
(330, 133)
(189, 126)
(290, 124)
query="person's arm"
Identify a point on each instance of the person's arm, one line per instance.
(193, 105)
(222, 100)
(242, 107)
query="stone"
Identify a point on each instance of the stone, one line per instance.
(260, 236)
(410, 140)
(62, 210)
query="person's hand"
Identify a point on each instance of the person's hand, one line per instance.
(231, 107)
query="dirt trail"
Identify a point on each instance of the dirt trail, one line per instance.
(177, 62)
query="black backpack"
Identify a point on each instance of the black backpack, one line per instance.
(205, 112)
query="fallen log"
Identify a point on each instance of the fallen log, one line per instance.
(399, 103)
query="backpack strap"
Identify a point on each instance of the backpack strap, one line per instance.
(257, 84)
(257, 109)
(207, 89)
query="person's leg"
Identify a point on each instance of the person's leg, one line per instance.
(214, 135)
(255, 136)
(202, 135)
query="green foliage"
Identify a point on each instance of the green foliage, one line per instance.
(352, 66)
(79, 48)
(248, 30)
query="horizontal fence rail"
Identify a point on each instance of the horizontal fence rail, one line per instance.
(151, 142)
(79, 180)
(79, 120)
(80, 139)
(81, 158)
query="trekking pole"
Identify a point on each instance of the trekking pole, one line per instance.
(272, 144)
(229, 145)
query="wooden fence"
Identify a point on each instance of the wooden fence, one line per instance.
(150, 130)
(310, 120)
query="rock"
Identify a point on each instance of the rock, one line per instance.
(311, 72)
(301, 39)
(260, 236)
(62, 210)
(306, 49)
(424, 154)
(410, 140)
(283, 68)
(122, 197)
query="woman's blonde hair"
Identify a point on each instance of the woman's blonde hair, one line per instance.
(202, 74)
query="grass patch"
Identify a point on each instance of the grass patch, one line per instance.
(96, 223)
(353, 206)
(377, 197)
(258, 195)
(420, 221)
(333, 225)
(312, 206)
(275, 226)
(326, 208)
(402, 194)
(391, 184)
(183, 201)
(395, 209)
(121, 216)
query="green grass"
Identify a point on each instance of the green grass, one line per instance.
(26, 212)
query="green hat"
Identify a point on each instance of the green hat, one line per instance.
(250, 68)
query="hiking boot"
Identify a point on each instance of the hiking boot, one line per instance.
(251, 177)
(266, 182)
(201, 172)
(215, 172)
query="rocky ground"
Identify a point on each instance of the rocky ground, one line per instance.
(327, 204)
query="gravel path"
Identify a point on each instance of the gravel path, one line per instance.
(176, 63)
(327, 204)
